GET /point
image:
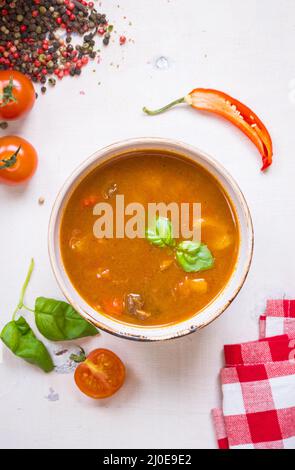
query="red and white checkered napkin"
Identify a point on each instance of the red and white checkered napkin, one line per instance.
(258, 386)
(278, 319)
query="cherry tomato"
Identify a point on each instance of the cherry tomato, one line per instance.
(101, 374)
(18, 160)
(17, 95)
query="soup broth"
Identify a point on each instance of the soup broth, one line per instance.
(131, 280)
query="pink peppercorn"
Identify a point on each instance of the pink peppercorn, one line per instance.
(122, 40)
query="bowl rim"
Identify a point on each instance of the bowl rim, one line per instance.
(140, 333)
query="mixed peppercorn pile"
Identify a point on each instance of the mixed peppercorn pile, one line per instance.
(36, 37)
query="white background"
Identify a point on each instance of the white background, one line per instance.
(244, 48)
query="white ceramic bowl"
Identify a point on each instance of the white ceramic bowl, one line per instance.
(200, 319)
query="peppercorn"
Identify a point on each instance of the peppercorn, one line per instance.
(43, 89)
(28, 33)
(3, 125)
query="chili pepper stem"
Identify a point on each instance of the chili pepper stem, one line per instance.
(165, 108)
(24, 288)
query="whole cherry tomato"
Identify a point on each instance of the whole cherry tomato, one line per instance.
(101, 374)
(17, 95)
(18, 160)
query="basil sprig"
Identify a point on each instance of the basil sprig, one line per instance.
(55, 319)
(194, 256)
(58, 321)
(160, 234)
(19, 337)
(191, 256)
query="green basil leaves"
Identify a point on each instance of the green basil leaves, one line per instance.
(55, 319)
(161, 233)
(194, 256)
(58, 321)
(191, 256)
(18, 336)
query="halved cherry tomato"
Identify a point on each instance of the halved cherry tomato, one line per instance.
(17, 95)
(18, 160)
(101, 374)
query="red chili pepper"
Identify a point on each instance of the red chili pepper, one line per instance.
(234, 111)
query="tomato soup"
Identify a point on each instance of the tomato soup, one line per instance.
(137, 280)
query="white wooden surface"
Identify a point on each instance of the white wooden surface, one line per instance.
(244, 48)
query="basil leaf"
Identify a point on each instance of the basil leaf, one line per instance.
(161, 233)
(194, 256)
(18, 336)
(58, 321)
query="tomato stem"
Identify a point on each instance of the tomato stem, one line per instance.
(7, 95)
(20, 304)
(81, 357)
(9, 162)
(164, 108)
